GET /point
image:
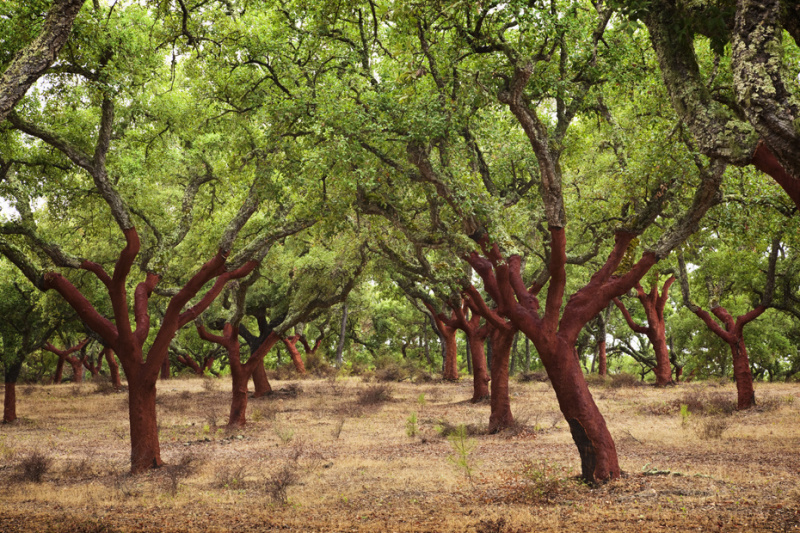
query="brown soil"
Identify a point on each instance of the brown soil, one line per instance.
(314, 459)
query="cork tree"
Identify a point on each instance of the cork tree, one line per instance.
(724, 324)
(89, 143)
(653, 304)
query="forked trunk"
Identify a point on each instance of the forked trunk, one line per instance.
(145, 449)
(500, 417)
(746, 396)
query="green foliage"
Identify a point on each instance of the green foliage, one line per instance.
(412, 427)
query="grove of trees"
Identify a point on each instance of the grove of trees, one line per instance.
(460, 187)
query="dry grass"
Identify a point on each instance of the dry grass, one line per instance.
(347, 468)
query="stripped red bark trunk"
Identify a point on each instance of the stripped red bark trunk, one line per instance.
(476, 337)
(448, 334)
(733, 335)
(58, 377)
(501, 417)
(66, 355)
(555, 332)
(656, 331)
(113, 367)
(294, 353)
(261, 384)
(240, 372)
(127, 342)
(765, 161)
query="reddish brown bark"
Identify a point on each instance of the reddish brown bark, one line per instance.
(191, 363)
(733, 335)
(58, 377)
(602, 356)
(10, 402)
(294, 353)
(127, 341)
(165, 374)
(555, 331)
(93, 365)
(450, 372)
(261, 386)
(113, 367)
(240, 372)
(653, 304)
(765, 161)
(501, 417)
(66, 355)
(476, 338)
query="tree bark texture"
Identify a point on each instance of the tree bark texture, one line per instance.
(602, 357)
(33, 60)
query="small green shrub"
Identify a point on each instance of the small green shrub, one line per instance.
(463, 446)
(412, 428)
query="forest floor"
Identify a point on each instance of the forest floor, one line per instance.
(335, 455)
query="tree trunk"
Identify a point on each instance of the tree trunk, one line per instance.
(500, 417)
(294, 353)
(77, 369)
(342, 333)
(10, 397)
(239, 378)
(59, 375)
(598, 453)
(602, 368)
(480, 374)
(261, 384)
(165, 369)
(746, 396)
(145, 449)
(113, 368)
(450, 372)
(662, 371)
